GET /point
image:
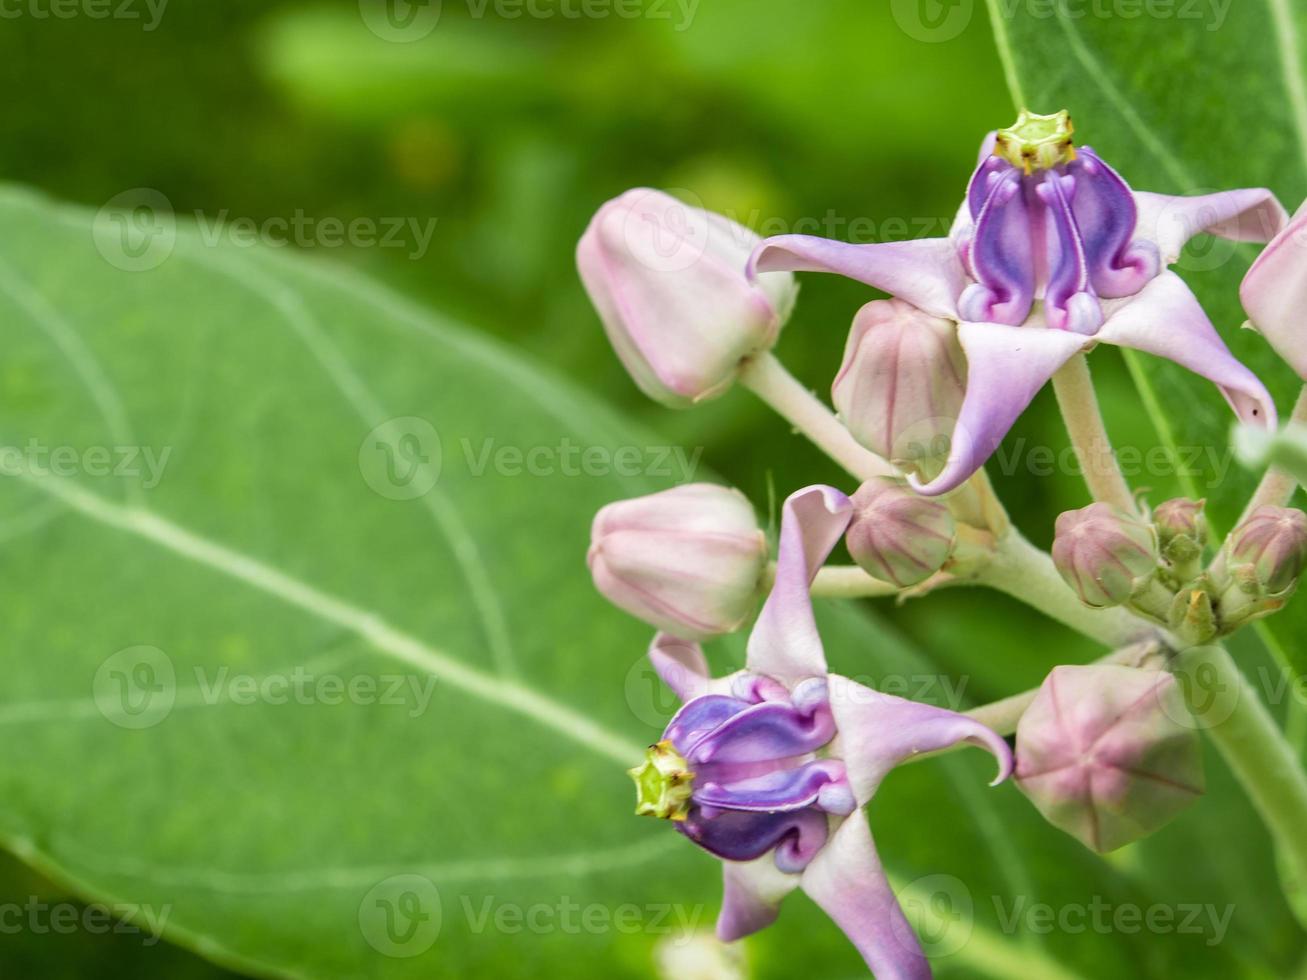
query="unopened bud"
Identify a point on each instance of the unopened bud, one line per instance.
(1267, 552)
(689, 560)
(1182, 533)
(1181, 518)
(1264, 558)
(897, 535)
(669, 283)
(1105, 753)
(901, 386)
(1106, 556)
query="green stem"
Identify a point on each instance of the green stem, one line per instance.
(1226, 704)
(1026, 573)
(767, 378)
(1277, 486)
(845, 582)
(1084, 424)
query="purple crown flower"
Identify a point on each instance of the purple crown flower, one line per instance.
(767, 768)
(1051, 254)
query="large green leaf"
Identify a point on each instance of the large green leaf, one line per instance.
(278, 543)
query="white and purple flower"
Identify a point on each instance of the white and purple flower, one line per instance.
(768, 768)
(1051, 254)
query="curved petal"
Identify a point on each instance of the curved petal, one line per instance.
(784, 643)
(1006, 367)
(1246, 215)
(699, 717)
(795, 837)
(847, 881)
(764, 732)
(1167, 320)
(1001, 254)
(926, 272)
(680, 664)
(1107, 217)
(817, 783)
(751, 897)
(1069, 300)
(879, 731)
(1274, 293)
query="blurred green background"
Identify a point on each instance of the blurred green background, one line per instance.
(509, 132)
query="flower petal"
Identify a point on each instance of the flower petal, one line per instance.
(765, 732)
(1006, 367)
(1001, 254)
(1107, 217)
(1167, 320)
(1246, 215)
(680, 664)
(847, 881)
(1069, 300)
(699, 717)
(740, 835)
(784, 643)
(879, 731)
(782, 789)
(1274, 293)
(926, 272)
(751, 897)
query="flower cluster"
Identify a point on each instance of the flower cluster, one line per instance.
(1051, 254)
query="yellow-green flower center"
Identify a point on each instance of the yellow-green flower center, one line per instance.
(1037, 142)
(662, 783)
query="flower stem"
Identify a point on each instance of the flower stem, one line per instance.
(1246, 735)
(1277, 486)
(1026, 573)
(767, 378)
(1084, 423)
(847, 582)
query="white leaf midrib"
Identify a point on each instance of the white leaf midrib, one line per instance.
(369, 626)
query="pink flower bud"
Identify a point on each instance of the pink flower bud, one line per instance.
(1181, 518)
(900, 389)
(1109, 754)
(669, 283)
(689, 560)
(1274, 292)
(1267, 552)
(897, 535)
(1104, 555)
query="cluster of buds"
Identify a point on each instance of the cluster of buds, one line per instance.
(1156, 567)
(1263, 560)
